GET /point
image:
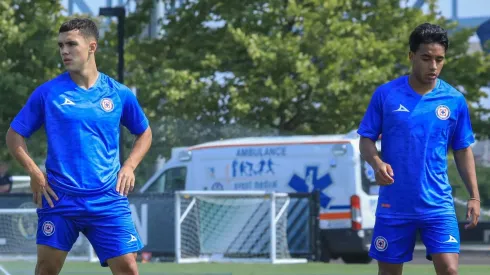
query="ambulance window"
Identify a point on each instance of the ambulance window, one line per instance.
(175, 179)
(368, 178)
(171, 180)
(157, 185)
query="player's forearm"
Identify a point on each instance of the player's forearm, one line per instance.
(465, 162)
(369, 152)
(140, 148)
(18, 149)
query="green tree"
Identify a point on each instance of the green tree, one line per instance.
(297, 66)
(28, 57)
(275, 66)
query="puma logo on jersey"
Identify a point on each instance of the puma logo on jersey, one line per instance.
(401, 109)
(68, 102)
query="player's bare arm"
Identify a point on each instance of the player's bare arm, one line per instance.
(17, 147)
(384, 172)
(125, 178)
(465, 162)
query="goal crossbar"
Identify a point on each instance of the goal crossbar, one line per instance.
(231, 193)
(216, 196)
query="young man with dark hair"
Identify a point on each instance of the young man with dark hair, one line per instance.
(419, 116)
(85, 187)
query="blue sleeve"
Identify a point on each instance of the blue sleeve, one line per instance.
(463, 132)
(133, 116)
(372, 121)
(31, 116)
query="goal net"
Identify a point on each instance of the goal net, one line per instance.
(232, 226)
(18, 228)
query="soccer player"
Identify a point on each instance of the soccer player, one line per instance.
(85, 187)
(419, 117)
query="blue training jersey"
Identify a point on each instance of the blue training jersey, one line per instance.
(82, 129)
(417, 132)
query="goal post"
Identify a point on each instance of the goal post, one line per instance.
(18, 229)
(232, 226)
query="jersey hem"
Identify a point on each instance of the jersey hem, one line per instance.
(416, 216)
(54, 245)
(81, 192)
(20, 128)
(141, 127)
(463, 144)
(364, 133)
(389, 260)
(103, 261)
(444, 251)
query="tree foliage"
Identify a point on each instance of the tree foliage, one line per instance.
(224, 69)
(28, 56)
(297, 66)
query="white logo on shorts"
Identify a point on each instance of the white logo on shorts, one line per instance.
(443, 112)
(451, 240)
(381, 243)
(133, 239)
(48, 228)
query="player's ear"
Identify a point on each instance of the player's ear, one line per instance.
(411, 55)
(92, 46)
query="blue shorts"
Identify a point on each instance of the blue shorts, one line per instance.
(104, 219)
(394, 239)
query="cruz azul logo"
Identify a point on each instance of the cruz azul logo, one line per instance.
(312, 182)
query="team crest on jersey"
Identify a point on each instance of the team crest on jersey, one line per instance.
(48, 228)
(381, 243)
(107, 104)
(443, 112)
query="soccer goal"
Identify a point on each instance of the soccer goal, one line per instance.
(232, 226)
(18, 228)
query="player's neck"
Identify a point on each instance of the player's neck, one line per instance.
(85, 78)
(420, 88)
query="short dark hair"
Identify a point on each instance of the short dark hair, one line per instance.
(426, 34)
(86, 27)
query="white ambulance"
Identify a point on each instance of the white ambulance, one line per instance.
(328, 163)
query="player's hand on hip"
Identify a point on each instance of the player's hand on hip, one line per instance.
(384, 174)
(472, 214)
(40, 187)
(125, 180)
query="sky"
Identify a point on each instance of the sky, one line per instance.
(470, 8)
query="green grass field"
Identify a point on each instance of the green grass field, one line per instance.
(79, 268)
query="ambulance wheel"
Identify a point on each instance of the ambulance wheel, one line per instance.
(357, 258)
(325, 256)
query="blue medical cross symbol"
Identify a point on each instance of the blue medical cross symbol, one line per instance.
(311, 178)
